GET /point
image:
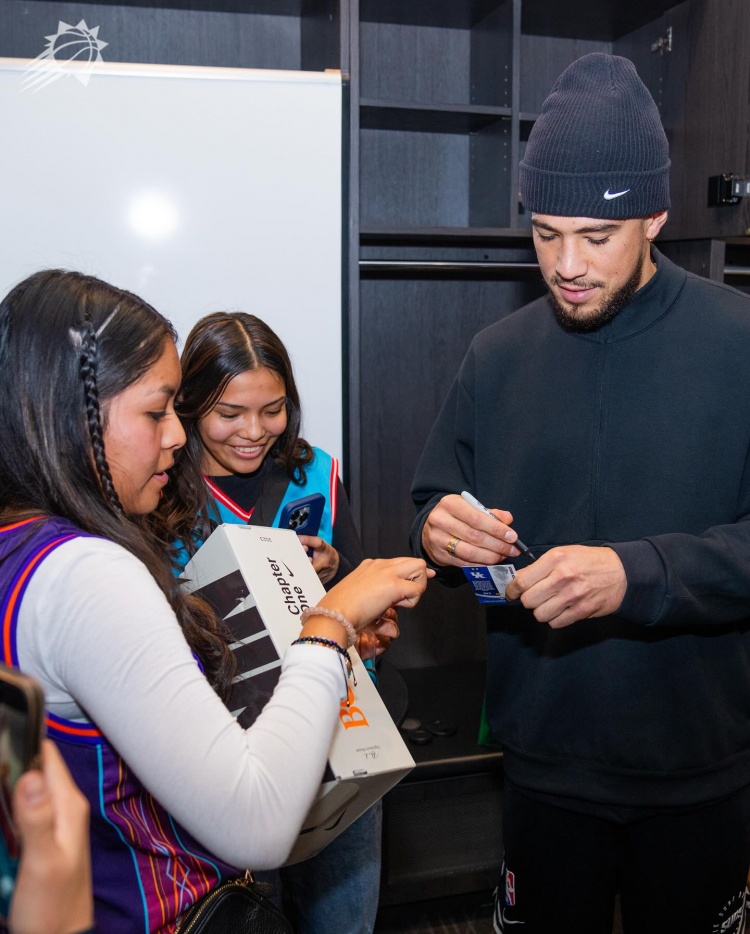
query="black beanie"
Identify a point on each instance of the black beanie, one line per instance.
(598, 148)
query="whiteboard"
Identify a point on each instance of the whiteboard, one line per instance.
(200, 189)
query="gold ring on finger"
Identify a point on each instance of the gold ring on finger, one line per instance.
(451, 546)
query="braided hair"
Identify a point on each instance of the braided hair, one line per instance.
(69, 344)
(88, 365)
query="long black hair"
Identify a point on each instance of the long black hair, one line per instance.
(70, 343)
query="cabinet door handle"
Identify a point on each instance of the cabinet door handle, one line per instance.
(384, 265)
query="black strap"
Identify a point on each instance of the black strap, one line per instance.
(275, 483)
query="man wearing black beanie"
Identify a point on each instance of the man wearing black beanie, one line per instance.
(613, 418)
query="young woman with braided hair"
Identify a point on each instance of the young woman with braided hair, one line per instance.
(134, 670)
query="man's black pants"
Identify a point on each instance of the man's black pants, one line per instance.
(677, 873)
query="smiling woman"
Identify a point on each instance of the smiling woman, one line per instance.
(244, 424)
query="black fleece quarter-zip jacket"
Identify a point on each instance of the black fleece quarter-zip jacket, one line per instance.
(636, 436)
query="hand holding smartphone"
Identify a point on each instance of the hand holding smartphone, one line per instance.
(53, 890)
(304, 515)
(21, 729)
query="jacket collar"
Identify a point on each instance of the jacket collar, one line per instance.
(650, 304)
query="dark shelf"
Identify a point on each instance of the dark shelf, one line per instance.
(264, 34)
(451, 693)
(737, 262)
(444, 13)
(605, 20)
(376, 235)
(432, 118)
(442, 269)
(266, 7)
(395, 265)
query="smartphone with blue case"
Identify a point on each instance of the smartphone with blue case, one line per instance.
(304, 515)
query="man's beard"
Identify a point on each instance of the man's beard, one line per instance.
(603, 315)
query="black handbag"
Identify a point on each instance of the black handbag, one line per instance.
(234, 907)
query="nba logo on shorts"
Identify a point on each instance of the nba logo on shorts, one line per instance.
(510, 889)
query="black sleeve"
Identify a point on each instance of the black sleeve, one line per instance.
(686, 580)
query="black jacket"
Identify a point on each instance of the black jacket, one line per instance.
(637, 436)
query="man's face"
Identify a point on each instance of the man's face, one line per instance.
(593, 267)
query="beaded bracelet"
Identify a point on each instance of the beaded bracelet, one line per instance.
(319, 640)
(331, 614)
(346, 662)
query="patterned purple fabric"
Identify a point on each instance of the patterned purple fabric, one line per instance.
(147, 870)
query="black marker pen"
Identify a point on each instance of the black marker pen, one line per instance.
(473, 501)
